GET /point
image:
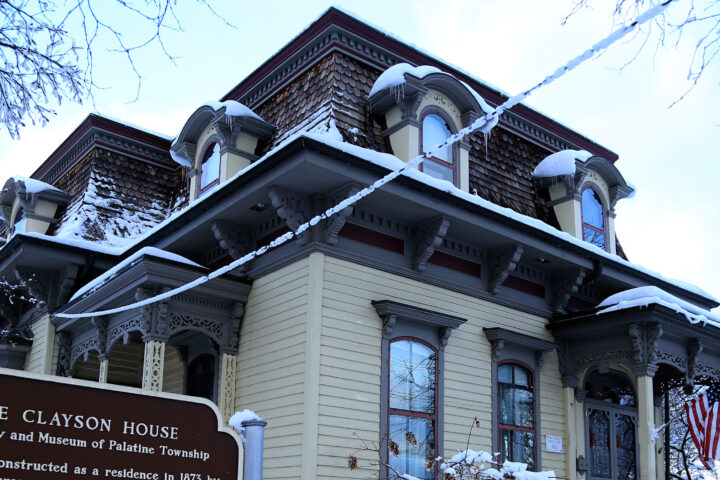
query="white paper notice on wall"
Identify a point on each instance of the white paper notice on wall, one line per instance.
(553, 444)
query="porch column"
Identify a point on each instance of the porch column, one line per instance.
(226, 385)
(104, 364)
(153, 365)
(570, 432)
(646, 423)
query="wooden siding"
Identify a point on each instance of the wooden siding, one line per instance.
(39, 358)
(271, 364)
(350, 365)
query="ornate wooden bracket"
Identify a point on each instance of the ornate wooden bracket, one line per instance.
(155, 319)
(428, 236)
(291, 207)
(564, 285)
(53, 287)
(101, 324)
(694, 348)
(644, 340)
(64, 340)
(334, 224)
(504, 260)
(234, 239)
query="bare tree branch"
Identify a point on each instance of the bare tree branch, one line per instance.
(47, 50)
(699, 22)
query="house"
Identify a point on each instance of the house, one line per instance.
(489, 282)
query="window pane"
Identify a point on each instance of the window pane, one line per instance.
(600, 444)
(515, 398)
(412, 377)
(517, 446)
(412, 457)
(522, 377)
(210, 169)
(505, 373)
(592, 210)
(594, 237)
(435, 132)
(437, 170)
(625, 433)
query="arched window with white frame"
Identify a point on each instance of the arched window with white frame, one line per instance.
(593, 218)
(435, 131)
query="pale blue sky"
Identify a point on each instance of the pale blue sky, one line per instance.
(670, 155)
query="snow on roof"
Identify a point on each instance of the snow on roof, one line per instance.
(135, 126)
(35, 186)
(391, 162)
(236, 109)
(395, 75)
(132, 259)
(560, 163)
(644, 296)
(483, 104)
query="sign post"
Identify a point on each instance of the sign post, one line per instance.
(54, 428)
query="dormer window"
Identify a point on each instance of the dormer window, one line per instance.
(593, 218)
(435, 131)
(419, 108)
(209, 169)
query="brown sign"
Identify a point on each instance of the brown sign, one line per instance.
(56, 428)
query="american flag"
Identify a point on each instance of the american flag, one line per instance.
(703, 414)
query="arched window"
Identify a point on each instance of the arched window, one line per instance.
(412, 406)
(593, 218)
(611, 419)
(209, 169)
(435, 131)
(516, 414)
(200, 379)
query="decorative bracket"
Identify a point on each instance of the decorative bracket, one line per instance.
(155, 319)
(504, 261)
(50, 286)
(234, 239)
(694, 348)
(233, 329)
(292, 208)
(564, 285)
(334, 224)
(644, 340)
(428, 236)
(101, 324)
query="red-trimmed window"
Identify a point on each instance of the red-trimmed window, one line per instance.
(209, 169)
(516, 414)
(593, 218)
(435, 131)
(412, 406)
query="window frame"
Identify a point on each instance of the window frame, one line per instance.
(612, 410)
(207, 153)
(401, 321)
(453, 148)
(20, 218)
(503, 426)
(434, 417)
(604, 215)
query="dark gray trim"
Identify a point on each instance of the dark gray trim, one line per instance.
(391, 311)
(403, 325)
(509, 346)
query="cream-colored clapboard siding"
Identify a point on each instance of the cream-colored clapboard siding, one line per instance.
(173, 371)
(39, 358)
(271, 364)
(350, 364)
(552, 415)
(125, 364)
